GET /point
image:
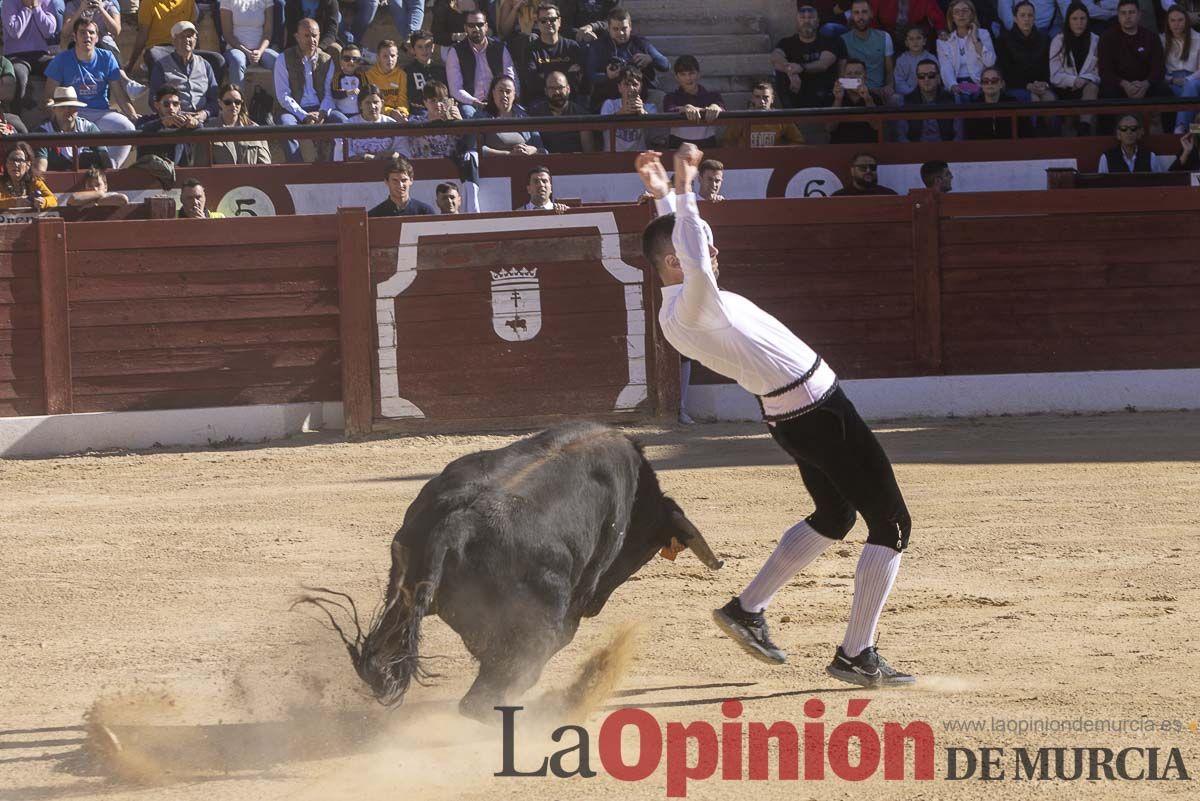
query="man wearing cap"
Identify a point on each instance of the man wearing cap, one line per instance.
(156, 20)
(94, 74)
(193, 75)
(64, 118)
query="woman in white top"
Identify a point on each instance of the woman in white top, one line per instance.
(1181, 45)
(1074, 65)
(247, 28)
(377, 145)
(965, 52)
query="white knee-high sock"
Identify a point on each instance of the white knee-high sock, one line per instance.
(873, 580)
(685, 381)
(799, 545)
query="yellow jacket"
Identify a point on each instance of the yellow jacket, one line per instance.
(8, 200)
(394, 86)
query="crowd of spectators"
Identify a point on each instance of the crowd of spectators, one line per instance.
(517, 59)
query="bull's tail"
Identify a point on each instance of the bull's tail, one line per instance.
(390, 658)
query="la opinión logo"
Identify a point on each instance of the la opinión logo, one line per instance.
(740, 751)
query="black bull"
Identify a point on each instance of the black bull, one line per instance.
(512, 547)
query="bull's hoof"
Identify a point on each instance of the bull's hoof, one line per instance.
(480, 709)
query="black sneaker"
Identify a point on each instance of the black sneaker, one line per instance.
(868, 669)
(749, 630)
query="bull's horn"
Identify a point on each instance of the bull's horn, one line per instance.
(696, 541)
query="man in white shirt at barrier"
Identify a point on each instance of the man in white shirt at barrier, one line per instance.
(842, 464)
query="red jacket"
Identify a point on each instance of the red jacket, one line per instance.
(920, 12)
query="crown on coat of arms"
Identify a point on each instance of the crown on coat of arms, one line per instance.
(517, 275)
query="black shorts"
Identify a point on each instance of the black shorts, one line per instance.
(845, 471)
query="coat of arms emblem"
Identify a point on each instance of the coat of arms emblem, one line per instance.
(516, 304)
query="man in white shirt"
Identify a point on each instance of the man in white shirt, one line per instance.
(540, 186)
(842, 464)
(472, 63)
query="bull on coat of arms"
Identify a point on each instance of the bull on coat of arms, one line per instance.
(516, 304)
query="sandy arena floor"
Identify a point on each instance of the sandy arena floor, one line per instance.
(1052, 575)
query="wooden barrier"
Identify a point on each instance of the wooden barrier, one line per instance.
(512, 320)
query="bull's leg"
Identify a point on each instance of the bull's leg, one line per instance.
(507, 673)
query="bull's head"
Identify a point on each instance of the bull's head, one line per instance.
(684, 535)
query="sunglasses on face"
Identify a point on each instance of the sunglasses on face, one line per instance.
(351, 59)
(547, 19)
(476, 24)
(1128, 128)
(229, 101)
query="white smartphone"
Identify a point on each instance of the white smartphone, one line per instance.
(849, 83)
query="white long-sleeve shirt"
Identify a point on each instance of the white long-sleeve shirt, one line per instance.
(958, 58)
(1174, 55)
(1062, 74)
(476, 94)
(309, 100)
(730, 334)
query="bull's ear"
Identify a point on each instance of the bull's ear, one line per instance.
(692, 538)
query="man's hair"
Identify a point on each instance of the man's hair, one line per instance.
(351, 46)
(850, 61)
(710, 165)
(803, 4)
(1124, 3)
(656, 239)
(386, 43)
(397, 164)
(536, 170)
(545, 6)
(853, 3)
(81, 21)
(686, 64)
(918, 28)
(930, 62)
(619, 15)
(167, 89)
(930, 170)
(557, 72)
(764, 86)
(862, 153)
(94, 177)
(434, 90)
(190, 183)
(631, 73)
(417, 36)
(446, 187)
(473, 13)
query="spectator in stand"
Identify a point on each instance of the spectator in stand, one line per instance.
(516, 25)
(929, 92)
(386, 75)
(696, 104)
(1131, 58)
(400, 203)
(998, 127)
(923, 14)
(365, 148)
(1190, 7)
(95, 192)
(762, 134)
(446, 24)
(8, 96)
(168, 116)
(586, 20)
(964, 53)
(805, 63)
(193, 202)
(1188, 160)
(502, 104)
(343, 84)
(864, 178)
(540, 186)
(557, 102)
(550, 52)
(1023, 55)
(1045, 16)
(421, 70)
(615, 48)
(872, 47)
(65, 118)
(473, 63)
(300, 81)
(192, 75)
(936, 175)
(1101, 13)
(1129, 155)
(247, 25)
(158, 23)
(28, 26)
(851, 91)
(326, 13)
(1074, 63)
(916, 51)
(19, 187)
(448, 199)
(94, 74)
(710, 176)
(630, 85)
(233, 115)
(105, 13)
(1181, 48)
(438, 106)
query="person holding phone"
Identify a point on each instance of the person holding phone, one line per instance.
(964, 52)
(105, 13)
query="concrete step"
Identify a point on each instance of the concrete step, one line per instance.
(702, 45)
(681, 23)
